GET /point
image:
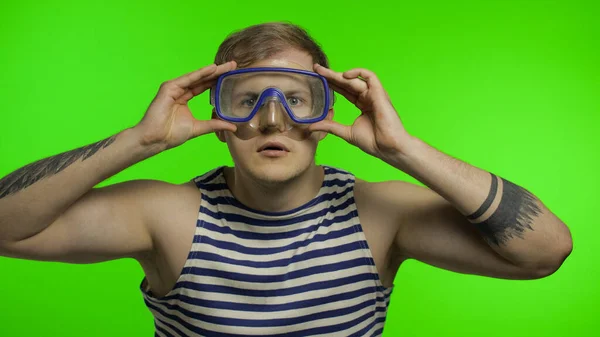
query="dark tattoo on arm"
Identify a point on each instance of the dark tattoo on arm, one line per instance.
(515, 213)
(30, 174)
(488, 201)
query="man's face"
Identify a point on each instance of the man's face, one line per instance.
(274, 166)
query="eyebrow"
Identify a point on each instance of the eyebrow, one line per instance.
(254, 93)
(295, 79)
(246, 93)
(296, 91)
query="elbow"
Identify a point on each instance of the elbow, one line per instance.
(554, 260)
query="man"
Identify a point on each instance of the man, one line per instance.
(276, 245)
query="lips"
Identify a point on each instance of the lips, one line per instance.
(273, 146)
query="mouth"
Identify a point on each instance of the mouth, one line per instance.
(273, 146)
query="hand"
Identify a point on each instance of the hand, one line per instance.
(378, 130)
(169, 122)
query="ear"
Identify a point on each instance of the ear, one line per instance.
(219, 133)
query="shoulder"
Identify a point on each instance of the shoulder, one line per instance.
(174, 195)
(149, 191)
(393, 199)
(388, 192)
(168, 193)
(378, 202)
(154, 200)
(157, 202)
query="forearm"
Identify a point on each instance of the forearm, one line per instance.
(32, 197)
(514, 222)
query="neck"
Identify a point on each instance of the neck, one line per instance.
(275, 197)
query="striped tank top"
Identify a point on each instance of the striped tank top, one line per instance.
(305, 272)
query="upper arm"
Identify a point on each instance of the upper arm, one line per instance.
(431, 230)
(105, 223)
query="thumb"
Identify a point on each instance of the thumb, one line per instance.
(329, 126)
(202, 127)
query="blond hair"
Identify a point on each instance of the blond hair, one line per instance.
(261, 41)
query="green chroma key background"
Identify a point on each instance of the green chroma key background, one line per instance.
(509, 86)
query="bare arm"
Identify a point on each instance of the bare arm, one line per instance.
(430, 229)
(104, 224)
(470, 217)
(34, 196)
(442, 226)
(49, 209)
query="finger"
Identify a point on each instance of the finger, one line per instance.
(349, 96)
(363, 74)
(208, 72)
(221, 69)
(207, 126)
(329, 126)
(355, 85)
(184, 81)
(192, 92)
(207, 82)
(201, 87)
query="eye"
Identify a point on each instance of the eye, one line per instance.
(294, 101)
(248, 102)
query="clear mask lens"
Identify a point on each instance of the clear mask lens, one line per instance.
(284, 101)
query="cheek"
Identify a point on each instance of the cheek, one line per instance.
(236, 147)
(309, 146)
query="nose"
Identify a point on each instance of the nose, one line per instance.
(272, 116)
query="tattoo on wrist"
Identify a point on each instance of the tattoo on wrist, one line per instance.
(30, 174)
(515, 213)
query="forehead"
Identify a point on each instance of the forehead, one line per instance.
(291, 58)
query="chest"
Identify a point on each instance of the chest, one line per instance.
(277, 277)
(275, 254)
(319, 250)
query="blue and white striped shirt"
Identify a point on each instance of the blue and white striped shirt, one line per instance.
(304, 272)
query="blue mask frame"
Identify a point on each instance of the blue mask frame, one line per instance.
(271, 92)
